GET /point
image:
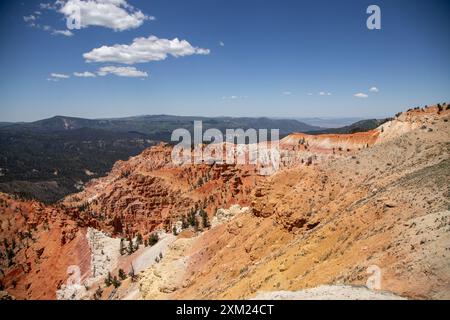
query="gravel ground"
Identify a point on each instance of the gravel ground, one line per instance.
(329, 292)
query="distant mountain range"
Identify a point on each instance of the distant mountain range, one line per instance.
(158, 127)
(359, 126)
(50, 158)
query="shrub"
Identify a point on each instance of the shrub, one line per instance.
(184, 223)
(108, 280)
(98, 294)
(139, 239)
(191, 219)
(205, 220)
(83, 207)
(153, 239)
(122, 247)
(115, 282)
(130, 246)
(122, 274)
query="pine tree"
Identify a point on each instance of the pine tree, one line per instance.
(153, 239)
(98, 294)
(130, 246)
(115, 282)
(205, 220)
(108, 280)
(192, 219)
(122, 247)
(139, 239)
(196, 224)
(122, 274)
(132, 274)
(184, 223)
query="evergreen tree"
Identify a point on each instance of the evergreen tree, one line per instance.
(122, 247)
(205, 220)
(153, 239)
(130, 246)
(115, 282)
(196, 224)
(192, 220)
(122, 274)
(139, 239)
(184, 223)
(108, 280)
(98, 294)
(132, 274)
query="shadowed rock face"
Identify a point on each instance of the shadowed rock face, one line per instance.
(338, 204)
(43, 242)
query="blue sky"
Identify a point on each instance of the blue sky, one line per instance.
(276, 57)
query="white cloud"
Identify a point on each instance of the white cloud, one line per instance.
(51, 6)
(29, 18)
(118, 15)
(221, 44)
(59, 76)
(143, 50)
(361, 95)
(34, 22)
(66, 33)
(286, 93)
(322, 93)
(234, 97)
(309, 94)
(131, 72)
(85, 74)
(374, 89)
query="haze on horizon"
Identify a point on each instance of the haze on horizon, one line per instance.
(281, 59)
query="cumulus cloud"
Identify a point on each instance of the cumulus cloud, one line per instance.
(85, 74)
(118, 15)
(66, 33)
(143, 50)
(323, 93)
(29, 18)
(360, 95)
(130, 72)
(221, 44)
(286, 93)
(57, 76)
(374, 89)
